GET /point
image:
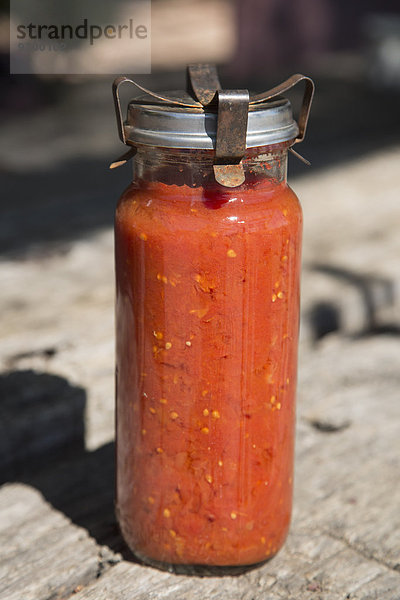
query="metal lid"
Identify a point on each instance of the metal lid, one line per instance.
(156, 123)
(208, 117)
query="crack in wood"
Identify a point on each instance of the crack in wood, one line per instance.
(361, 552)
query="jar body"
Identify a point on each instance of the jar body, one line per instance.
(207, 315)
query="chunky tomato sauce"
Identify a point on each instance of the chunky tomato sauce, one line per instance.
(207, 324)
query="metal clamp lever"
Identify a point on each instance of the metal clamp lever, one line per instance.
(286, 86)
(233, 109)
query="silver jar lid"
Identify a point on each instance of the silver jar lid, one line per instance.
(211, 118)
(171, 126)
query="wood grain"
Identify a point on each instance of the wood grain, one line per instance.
(42, 555)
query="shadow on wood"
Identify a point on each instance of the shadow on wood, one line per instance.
(376, 301)
(42, 442)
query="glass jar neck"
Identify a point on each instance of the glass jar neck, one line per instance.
(194, 168)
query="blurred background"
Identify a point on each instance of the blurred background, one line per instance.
(58, 136)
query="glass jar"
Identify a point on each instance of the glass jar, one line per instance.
(207, 318)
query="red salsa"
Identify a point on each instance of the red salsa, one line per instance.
(207, 319)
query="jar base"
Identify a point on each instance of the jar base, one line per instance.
(200, 570)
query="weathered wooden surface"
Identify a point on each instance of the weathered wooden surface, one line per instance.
(42, 555)
(57, 526)
(324, 568)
